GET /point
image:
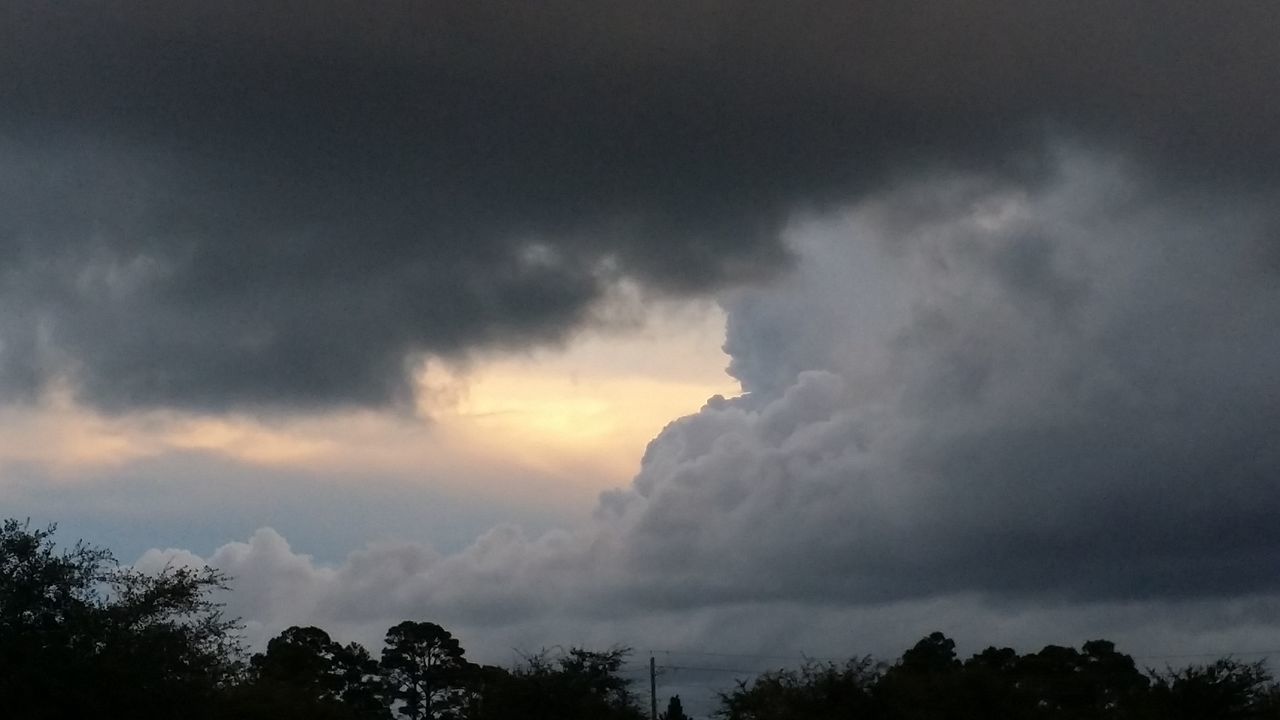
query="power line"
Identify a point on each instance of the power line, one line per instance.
(802, 657)
(640, 669)
(1206, 654)
(700, 668)
(812, 658)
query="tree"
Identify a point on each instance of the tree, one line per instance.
(1062, 682)
(303, 657)
(1218, 691)
(594, 676)
(817, 691)
(579, 685)
(933, 654)
(306, 674)
(675, 710)
(924, 683)
(424, 667)
(82, 636)
(989, 686)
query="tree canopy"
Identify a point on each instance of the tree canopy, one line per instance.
(79, 631)
(425, 671)
(83, 636)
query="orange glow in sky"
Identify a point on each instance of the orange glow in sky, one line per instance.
(553, 426)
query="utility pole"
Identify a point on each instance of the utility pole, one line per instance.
(653, 690)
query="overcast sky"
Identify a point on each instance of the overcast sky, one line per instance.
(749, 327)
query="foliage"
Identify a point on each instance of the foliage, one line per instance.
(1223, 689)
(579, 685)
(82, 636)
(1095, 682)
(305, 674)
(426, 672)
(674, 711)
(815, 691)
(79, 634)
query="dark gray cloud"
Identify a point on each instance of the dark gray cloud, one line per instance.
(1024, 399)
(271, 205)
(1060, 393)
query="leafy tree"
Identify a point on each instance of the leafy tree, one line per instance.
(1218, 691)
(933, 654)
(364, 688)
(82, 636)
(989, 686)
(305, 674)
(1099, 682)
(817, 691)
(594, 675)
(925, 683)
(674, 711)
(1118, 687)
(580, 685)
(426, 671)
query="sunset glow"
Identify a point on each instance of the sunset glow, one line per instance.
(582, 413)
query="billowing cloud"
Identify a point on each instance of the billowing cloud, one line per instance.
(252, 205)
(359, 599)
(1059, 393)
(972, 405)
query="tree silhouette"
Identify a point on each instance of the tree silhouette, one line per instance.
(924, 683)
(580, 685)
(306, 658)
(817, 691)
(1097, 682)
(594, 675)
(81, 636)
(305, 674)
(933, 654)
(674, 711)
(990, 686)
(1223, 690)
(425, 670)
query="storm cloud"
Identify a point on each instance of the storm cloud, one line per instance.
(969, 405)
(271, 205)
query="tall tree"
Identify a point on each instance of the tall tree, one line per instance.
(991, 687)
(306, 674)
(924, 683)
(933, 654)
(674, 711)
(426, 671)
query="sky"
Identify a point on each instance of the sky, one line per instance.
(699, 327)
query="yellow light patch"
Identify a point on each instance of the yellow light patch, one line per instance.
(555, 426)
(597, 402)
(247, 441)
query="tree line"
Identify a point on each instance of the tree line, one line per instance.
(82, 636)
